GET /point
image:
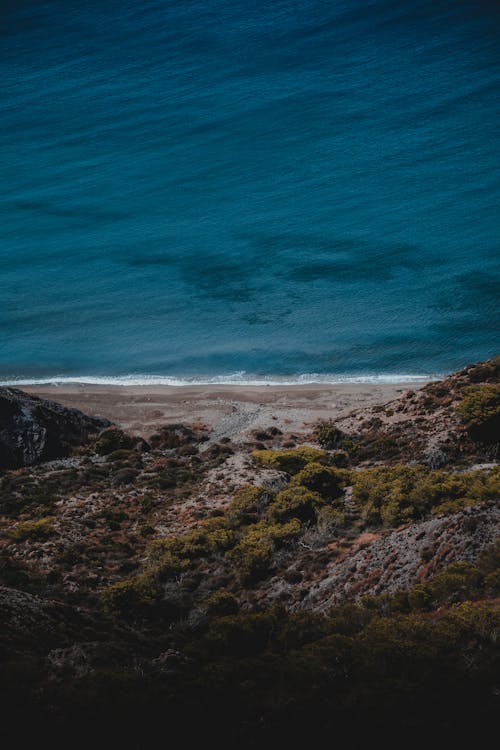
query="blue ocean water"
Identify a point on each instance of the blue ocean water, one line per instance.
(212, 189)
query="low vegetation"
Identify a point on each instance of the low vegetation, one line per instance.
(260, 527)
(32, 530)
(328, 435)
(291, 460)
(480, 412)
(399, 494)
(147, 590)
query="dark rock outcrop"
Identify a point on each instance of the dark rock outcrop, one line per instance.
(33, 430)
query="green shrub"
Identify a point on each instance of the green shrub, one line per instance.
(166, 480)
(385, 494)
(489, 559)
(124, 476)
(492, 583)
(172, 436)
(282, 533)
(460, 581)
(204, 540)
(132, 595)
(329, 520)
(479, 410)
(295, 502)
(220, 604)
(327, 482)
(173, 555)
(240, 635)
(33, 530)
(252, 556)
(373, 445)
(247, 505)
(112, 440)
(13, 504)
(291, 460)
(300, 628)
(170, 565)
(340, 459)
(420, 598)
(452, 492)
(457, 583)
(328, 436)
(387, 604)
(391, 495)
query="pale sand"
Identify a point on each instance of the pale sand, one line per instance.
(229, 410)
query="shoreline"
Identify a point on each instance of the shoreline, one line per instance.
(236, 379)
(229, 410)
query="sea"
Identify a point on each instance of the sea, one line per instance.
(275, 191)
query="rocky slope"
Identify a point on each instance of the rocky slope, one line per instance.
(33, 430)
(285, 582)
(398, 559)
(424, 426)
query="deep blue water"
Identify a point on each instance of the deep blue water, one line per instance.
(200, 187)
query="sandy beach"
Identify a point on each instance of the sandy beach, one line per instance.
(229, 410)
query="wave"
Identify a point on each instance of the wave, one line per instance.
(237, 378)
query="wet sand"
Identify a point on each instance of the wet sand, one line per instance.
(229, 410)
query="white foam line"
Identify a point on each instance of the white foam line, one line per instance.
(238, 378)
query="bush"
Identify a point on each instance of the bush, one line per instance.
(240, 635)
(172, 436)
(340, 459)
(124, 476)
(374, 445)
(170, 565)
(328, 436)
(489, 559)
(399, 494)
(113, 440)
(386, 605)
(330, 520)
(220, 604)
(132, 596)
(12, 504)
(459, 582)
(33, 530)
(253, 554)
(291, 460)
(247, 505)
(252, 558)
(420, 598)
(385, 494)
(207, 539)
(295, 502)
(327, 482)
(479, 410)
(171, 556)
(492, 583)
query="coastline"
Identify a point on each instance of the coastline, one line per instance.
(229, 410)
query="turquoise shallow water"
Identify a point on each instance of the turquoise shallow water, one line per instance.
(232, 191)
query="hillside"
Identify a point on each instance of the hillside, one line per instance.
(281, 587)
